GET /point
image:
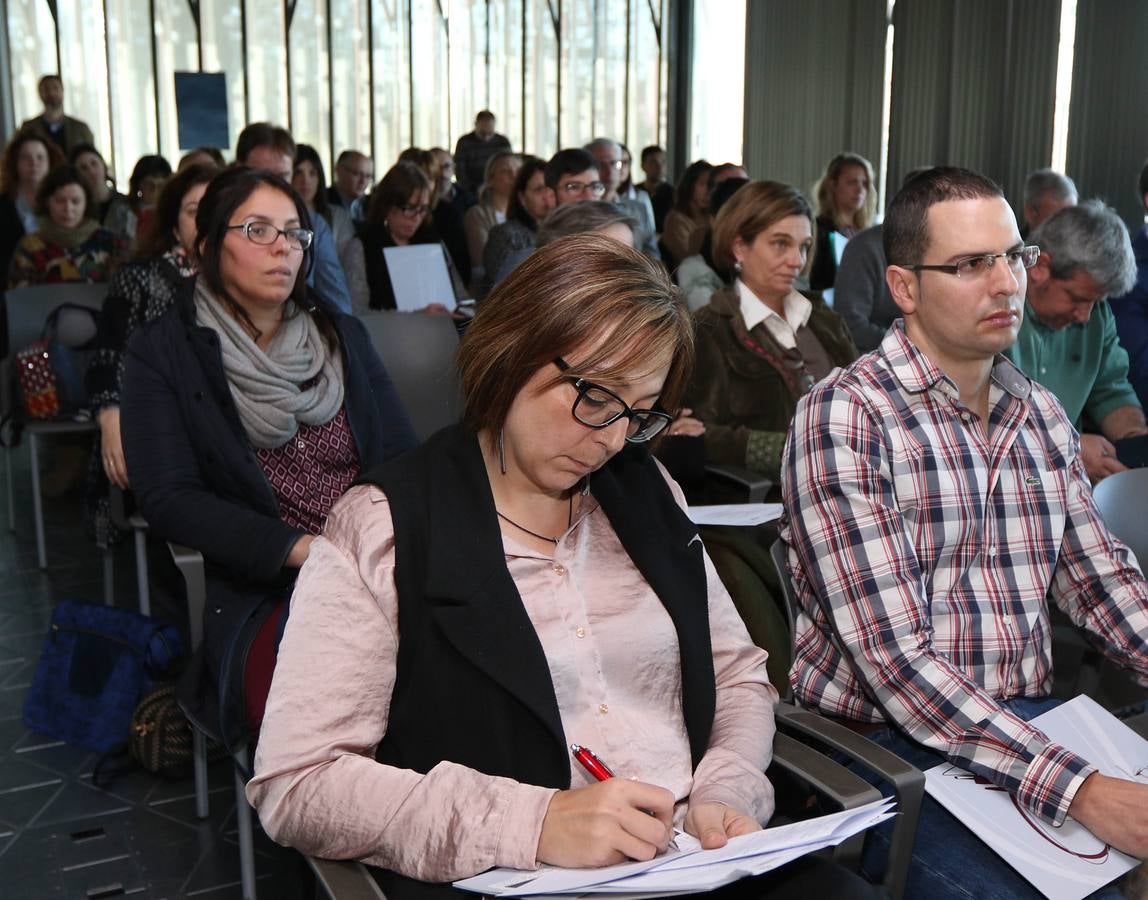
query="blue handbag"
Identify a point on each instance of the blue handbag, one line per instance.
(97, 664)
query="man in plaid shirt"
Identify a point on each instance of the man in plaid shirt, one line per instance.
(935, 497)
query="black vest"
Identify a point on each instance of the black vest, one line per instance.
(472, 683)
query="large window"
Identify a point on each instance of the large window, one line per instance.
(376, 75)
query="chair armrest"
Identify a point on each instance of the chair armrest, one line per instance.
(756, 486)
(190, 564)
(908, 782)
(824, 775)
(344, 879)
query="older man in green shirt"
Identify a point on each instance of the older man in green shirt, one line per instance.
(1068, 339)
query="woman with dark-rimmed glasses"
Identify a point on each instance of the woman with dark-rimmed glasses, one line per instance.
(246, 410)
(521, 582)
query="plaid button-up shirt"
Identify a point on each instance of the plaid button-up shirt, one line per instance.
(922, 548)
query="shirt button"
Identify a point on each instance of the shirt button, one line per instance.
(300, 444)
(560, 570)
(603, 708)
(580, 632)
(1006, 619)
(1043, 370)
(992, 551)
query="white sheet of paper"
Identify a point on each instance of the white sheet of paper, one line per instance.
(687, 870)
(735, 514)
(419, 276)
(1064, 863)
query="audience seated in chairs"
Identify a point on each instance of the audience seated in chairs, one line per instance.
(144, 184)
(761, 343)
(530, 203)
(397, 218)
(697, 275)
(660, 191)
(262, 145)
(846, 204)
(410, 750)
(143, 290)
(110, 208)
(309, 179)
(924, 555)
(68, 245)
(247, 409)
(491, 209)
(28, 159)
(686, 222)
(1131, 310)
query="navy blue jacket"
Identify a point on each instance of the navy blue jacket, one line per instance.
(1131, 312)
(195, 475)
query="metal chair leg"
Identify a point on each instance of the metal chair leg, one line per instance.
(37, 500)
(141, 572)
(246, 830)
(199, 763)
(11, 499)
(109, 577)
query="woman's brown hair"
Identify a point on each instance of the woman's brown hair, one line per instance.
(9, 177)
(582, 291)
(401, 180)
(754, 208)
(159, 236)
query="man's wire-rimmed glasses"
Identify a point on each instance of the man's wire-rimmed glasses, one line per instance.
(972, 266)
(598, 407)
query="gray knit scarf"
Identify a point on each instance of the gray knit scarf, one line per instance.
(266, 384)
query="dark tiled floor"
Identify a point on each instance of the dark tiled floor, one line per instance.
(59, 835)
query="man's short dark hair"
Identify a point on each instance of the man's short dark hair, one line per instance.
(647, 152)
(263, 134)
(484, 116)
(572, 161)
(905, 235)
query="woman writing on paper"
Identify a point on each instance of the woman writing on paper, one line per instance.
(521, 582)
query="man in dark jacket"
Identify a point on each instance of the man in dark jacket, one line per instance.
(52, 124)
(474, 149)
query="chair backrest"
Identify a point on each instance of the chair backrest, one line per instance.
(1122, 500)
(26, 308)
(777, 553)
(419, 353)
(25, 311)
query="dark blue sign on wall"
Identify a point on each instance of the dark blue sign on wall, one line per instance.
(201, 106)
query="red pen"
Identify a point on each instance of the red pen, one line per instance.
(591, 763)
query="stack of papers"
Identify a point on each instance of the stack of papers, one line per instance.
(1064, 863)
(735, 513)
(689, 868)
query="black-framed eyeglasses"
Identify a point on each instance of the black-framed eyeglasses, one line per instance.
(597, 407)
(581, 187)
(972, 266)
(412, 210)
(265, 234)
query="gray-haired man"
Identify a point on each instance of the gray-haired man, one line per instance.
(1068, 340)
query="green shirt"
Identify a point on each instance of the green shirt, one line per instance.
(1083, 365)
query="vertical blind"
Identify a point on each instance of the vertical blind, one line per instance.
(1108, 125)
(813, 86)
(974, 84)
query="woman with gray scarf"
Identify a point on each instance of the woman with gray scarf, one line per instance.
(247, 410)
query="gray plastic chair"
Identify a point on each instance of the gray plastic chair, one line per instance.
(27, 309)
(1122, 500)
(908, 783)
(419, 353)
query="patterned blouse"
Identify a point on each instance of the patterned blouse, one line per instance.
(311, 471)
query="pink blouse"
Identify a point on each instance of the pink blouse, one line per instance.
(613, 657)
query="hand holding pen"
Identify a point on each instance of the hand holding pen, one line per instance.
(605, 823)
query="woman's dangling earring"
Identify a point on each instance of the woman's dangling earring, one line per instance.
(737, 267)
(585, 485)
(501, 453)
